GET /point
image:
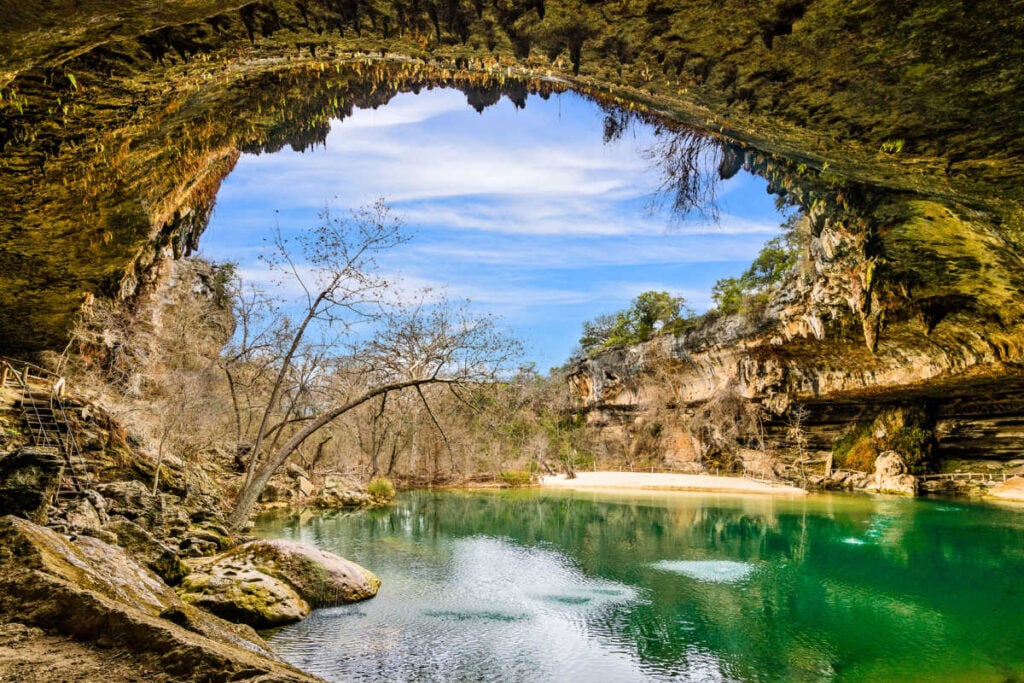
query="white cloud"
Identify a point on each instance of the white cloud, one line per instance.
(571, 254)
(404, 173)
(372, 154)
(403, 111)
(529, 217)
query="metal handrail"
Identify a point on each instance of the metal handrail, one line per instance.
(23, 367)
(970, 476)
(41, 433)
(72, 452)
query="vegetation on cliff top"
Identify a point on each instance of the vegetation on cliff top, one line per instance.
(648, 314)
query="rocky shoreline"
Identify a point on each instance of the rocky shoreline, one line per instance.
(105, 573)
(100, 572)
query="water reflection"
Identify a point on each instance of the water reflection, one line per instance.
(525, 586)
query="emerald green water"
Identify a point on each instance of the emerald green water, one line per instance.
(540, 586)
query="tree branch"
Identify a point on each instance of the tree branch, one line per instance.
(426, 404)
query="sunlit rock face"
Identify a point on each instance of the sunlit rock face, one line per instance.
(99, 594)
(899, 303)
(270, 583)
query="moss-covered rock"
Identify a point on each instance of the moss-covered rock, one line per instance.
(118, 128)
(244, 595)
(96, 593)
(269, 583)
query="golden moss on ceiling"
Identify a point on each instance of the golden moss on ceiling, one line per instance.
(117, 123)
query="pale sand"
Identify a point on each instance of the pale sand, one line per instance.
(1011, 490)
(668, 482)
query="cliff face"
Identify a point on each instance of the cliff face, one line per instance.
(903, 310)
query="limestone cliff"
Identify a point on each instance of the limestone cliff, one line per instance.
(903, 311)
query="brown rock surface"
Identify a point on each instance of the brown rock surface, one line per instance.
(891, 475)
(268, 583)
(1010, 490)
(99, 596)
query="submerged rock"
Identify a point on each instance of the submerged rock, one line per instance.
(269, 583)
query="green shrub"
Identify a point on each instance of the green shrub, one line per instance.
(893, 146)
(648, 313)
(727, 294)
(842, 446)
(913, 443)
(516, 478)
(861, 456)
(381, 487)
(748, 293)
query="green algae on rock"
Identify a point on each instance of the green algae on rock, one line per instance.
(270, 583)
(97, 594)
(898, 139)
(118, 129)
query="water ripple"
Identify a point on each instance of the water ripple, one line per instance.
(711, 571)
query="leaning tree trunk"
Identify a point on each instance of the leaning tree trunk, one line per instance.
(259, 478)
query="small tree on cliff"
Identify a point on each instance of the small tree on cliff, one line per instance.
(409, 345)
(648, 313)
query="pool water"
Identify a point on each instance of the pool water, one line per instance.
(567, 586)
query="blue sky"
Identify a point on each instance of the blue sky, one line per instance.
(525, 212)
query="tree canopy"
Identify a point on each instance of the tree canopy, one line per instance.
(776, 260)
(356, 341)
(649, 313)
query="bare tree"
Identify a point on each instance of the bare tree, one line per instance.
(411, 345)
(796, 433)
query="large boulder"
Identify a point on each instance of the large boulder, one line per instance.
(339, 492)
(305, 487)
(242, 594)
(96, 593)
(891, 475)
(269, 583)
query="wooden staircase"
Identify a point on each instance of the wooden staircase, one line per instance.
(41, 404)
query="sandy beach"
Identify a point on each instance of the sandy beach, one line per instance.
(659, 481)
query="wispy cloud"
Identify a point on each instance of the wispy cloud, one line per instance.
(526, 214)
(404, 111)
